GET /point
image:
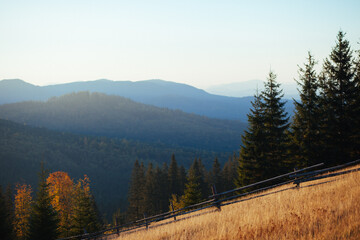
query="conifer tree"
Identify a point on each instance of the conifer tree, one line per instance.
(182, 179)
(252, 163)
(135, 194)
(174, 181)
(229, 173)
(6, 218)
(44, 220)
(276, 158)
(305, 128)
(193, 187)
(85, 217)
(339, 95)
(215, 175)
(150, 191)
(356, 137)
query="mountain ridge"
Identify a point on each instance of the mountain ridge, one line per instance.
(154, 92)
(114, 116)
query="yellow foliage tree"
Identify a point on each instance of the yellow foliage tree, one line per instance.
(22, 204)
(61, 189)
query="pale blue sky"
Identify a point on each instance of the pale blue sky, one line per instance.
(200, 43)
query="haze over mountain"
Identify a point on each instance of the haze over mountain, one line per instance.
(113, 116)
(248, 88)
(154, 92)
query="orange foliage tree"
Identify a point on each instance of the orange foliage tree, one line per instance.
(61, 189)
(22, 204)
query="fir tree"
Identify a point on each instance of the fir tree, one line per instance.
(229, 173)
(193, 187)
(150, 190)
(174, 181)
(305, 128)
(339, 99)
(135, 194)
(215, 175)
(182, 179)
(43, 219)
(6, 217)
(275, 129)
(356, 137)
(85, 217)
(252, 163)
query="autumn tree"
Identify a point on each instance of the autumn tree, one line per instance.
(22, 208)
(61, 190)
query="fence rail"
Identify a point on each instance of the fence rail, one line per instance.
(222, 199)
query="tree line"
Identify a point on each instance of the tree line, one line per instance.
(325, 128)
(61, 208)
(153, 189)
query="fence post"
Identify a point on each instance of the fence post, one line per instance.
(216, 198)
(295, 180)
(117, 225)
(172, 209)
(146, 223)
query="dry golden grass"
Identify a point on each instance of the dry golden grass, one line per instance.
(323, 209)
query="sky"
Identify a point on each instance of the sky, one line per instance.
(200, 43)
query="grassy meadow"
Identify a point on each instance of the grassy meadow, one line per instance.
(322, 209)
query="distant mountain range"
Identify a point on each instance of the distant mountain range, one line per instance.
(153, 92)
(248, 88)
(114, 116)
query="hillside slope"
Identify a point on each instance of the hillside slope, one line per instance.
(323, 209)
(113, 116)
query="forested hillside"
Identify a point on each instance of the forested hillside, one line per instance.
(108, 162)
(114, 116)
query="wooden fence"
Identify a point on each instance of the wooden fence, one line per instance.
(218, 200)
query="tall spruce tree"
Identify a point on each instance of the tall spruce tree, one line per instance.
(193, 187)
(305, 128)
(136, 195)
(356, 137)
(85, 217)
(44, 220)
(339, 94)
(252, 163)
(215, 175)
(229, 173)
(173, 175)
(276, 125)
(6, 217)
(150, 191)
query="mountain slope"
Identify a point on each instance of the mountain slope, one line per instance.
(323, 209)
(114, 116)
(154, 92)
